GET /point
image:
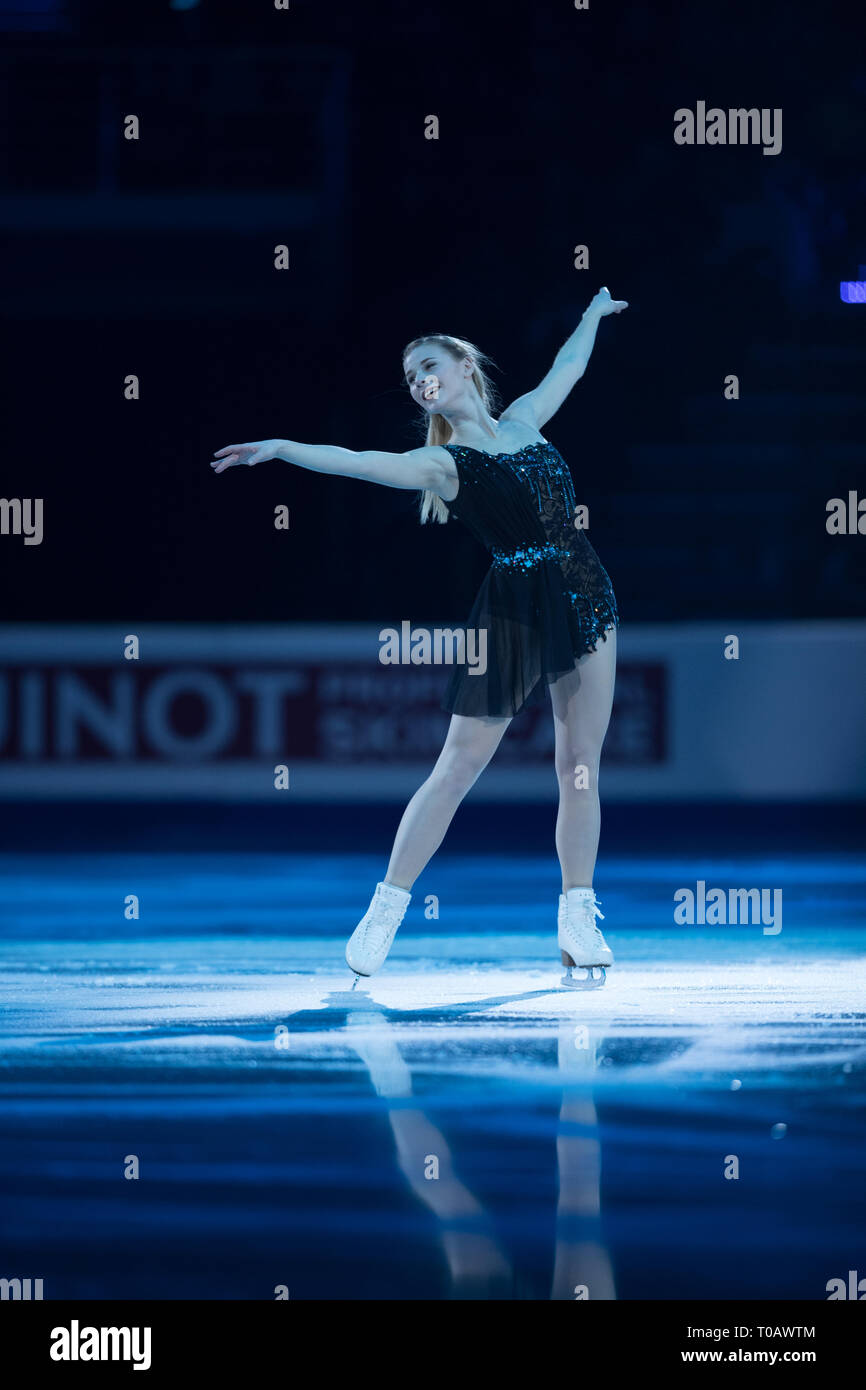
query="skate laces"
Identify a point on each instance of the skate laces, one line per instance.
(387, 918)
(586, 912)
(594, 911)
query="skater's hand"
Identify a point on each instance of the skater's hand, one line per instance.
(235, 454)
(602, 304)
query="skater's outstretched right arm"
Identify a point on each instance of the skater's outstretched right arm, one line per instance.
(429, 467)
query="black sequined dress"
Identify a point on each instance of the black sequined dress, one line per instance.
(546, 599)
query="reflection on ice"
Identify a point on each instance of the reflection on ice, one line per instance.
(477, 1265)
(459, 1126)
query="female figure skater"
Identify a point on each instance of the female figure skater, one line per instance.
(545, 603)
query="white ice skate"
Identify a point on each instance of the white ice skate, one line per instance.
(581, 943)
(371, 940)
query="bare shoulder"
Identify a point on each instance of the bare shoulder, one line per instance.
(522, 411)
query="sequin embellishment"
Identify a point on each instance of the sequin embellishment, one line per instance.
(527, 557)
(542, 470)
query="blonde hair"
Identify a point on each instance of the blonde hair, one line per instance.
(438, 428)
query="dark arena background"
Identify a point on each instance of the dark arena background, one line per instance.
(221, 222)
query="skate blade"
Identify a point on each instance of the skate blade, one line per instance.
(593, 977)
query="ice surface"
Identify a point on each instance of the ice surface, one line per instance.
(279, 1114)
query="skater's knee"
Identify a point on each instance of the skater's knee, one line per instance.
(458, 770)
(577, 764)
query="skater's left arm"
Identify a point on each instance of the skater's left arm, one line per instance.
(569, 365)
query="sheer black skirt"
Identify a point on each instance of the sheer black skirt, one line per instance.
(536, 630)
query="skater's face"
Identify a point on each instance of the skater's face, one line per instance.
(434, 377)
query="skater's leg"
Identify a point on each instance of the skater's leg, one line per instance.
(582, 702)
(468, 748)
